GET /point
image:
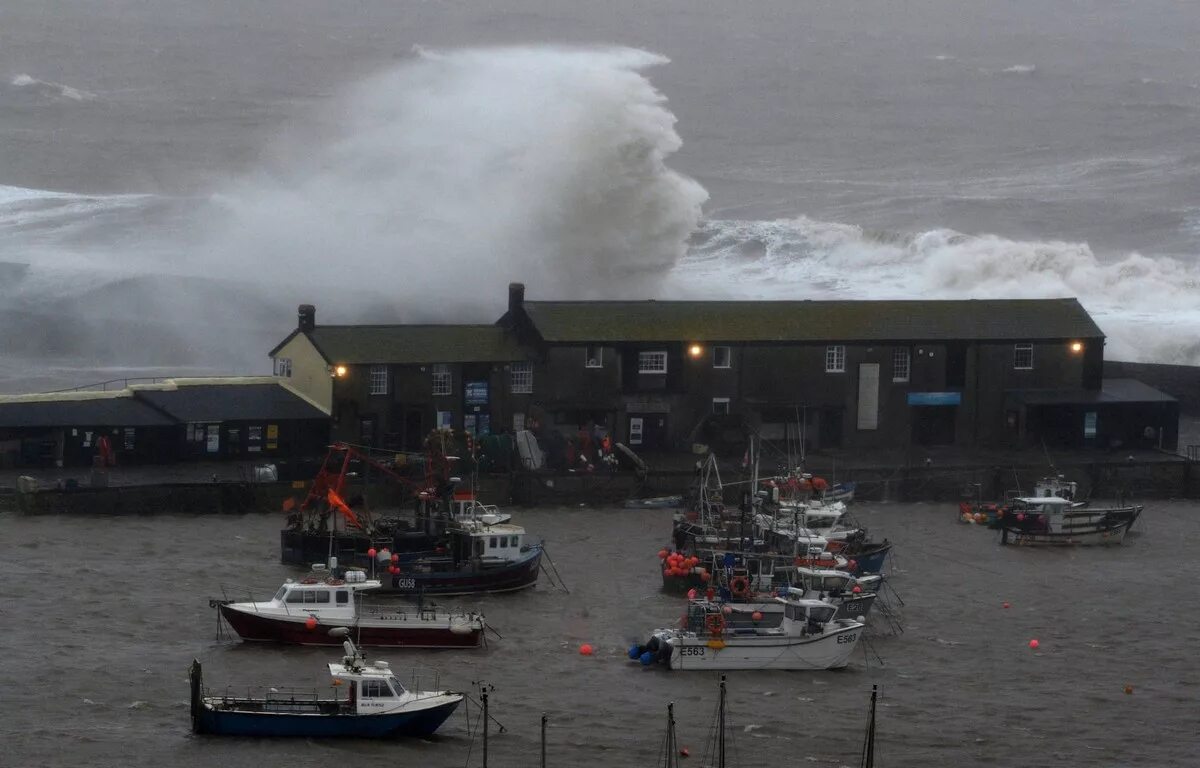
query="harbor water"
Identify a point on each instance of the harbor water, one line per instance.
(103, 615)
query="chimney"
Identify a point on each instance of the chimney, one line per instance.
(516, 296)
(307, 315)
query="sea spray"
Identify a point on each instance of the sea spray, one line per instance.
(1146, 305)
(459, 171)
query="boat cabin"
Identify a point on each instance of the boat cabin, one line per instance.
(319, 596)
(823, 580)
(1055, 486)
(801, 616)
(496, 542)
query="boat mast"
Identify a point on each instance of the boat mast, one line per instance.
(868, 753)
(543, 740)
(721, 727)
(484, 697)
(671, 758)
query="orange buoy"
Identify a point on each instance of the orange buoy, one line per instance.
(1128, 688)
(311, 623)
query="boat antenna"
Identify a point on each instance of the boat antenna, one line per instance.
(868, 750)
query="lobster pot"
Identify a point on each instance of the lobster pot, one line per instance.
(696, 615)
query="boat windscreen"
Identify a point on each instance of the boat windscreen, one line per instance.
(282, 591)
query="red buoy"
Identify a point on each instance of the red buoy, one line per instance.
(1005, 605)
(757, 615)
(310, 623)
(1034, 644)
(857, 590)
(371, 553)
(395, 558)
(586, 649)
(662, 554)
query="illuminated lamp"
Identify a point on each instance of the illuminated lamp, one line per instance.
(340, 371)
(1076, 346)
(695, 350)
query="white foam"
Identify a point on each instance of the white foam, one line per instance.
(1020, 69)
(1148, 306)
(47, 88)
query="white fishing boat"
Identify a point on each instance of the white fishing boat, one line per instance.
(1055, 521)
(302, 612)
(808, 637)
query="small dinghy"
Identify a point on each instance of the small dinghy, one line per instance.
(375, 705)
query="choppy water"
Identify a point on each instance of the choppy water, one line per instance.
(103, 615)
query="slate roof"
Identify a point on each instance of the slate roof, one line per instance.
(359, 344)
(231, 402)
(810, 321)
(120, 411)
(1111, 391)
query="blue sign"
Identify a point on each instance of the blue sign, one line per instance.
(935, 398)
(476, 392)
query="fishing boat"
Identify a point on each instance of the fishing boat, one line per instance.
(447, 543)
(808, 637)
(302, 612)
(991, 513)
(375, 705)
(1054, 521)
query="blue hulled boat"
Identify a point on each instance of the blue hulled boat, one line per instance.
(375, 705)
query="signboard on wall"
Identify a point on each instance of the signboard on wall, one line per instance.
(935, 398)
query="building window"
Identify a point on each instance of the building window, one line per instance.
(1023, 357)
(652, 362)
(901, 364)
(521, 378)
(442, 380)
(721, 406)
(518, 422)
(379, 380)
(593, 357)
(721, 357)
(283, 367)
(835, 359)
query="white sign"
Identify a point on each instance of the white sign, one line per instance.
(635, 430)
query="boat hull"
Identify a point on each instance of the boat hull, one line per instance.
(828, 651)
(419, 723)
(253, 626)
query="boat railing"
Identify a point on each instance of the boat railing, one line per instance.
(301, 698)
(421, 679)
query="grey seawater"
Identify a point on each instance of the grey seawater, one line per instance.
(102, 617)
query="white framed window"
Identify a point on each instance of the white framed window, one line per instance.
(720, 406)
(593, 357)
(518, 422)
(520, 378)
(835, 359)
(443, 383)
(1023, 357)
(901, 364)
(722, 358)
(652, 362)
(379, 380)
(283, 367)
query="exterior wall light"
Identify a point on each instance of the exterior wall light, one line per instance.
(1076, 346)
(695, 350)
(339, 371)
